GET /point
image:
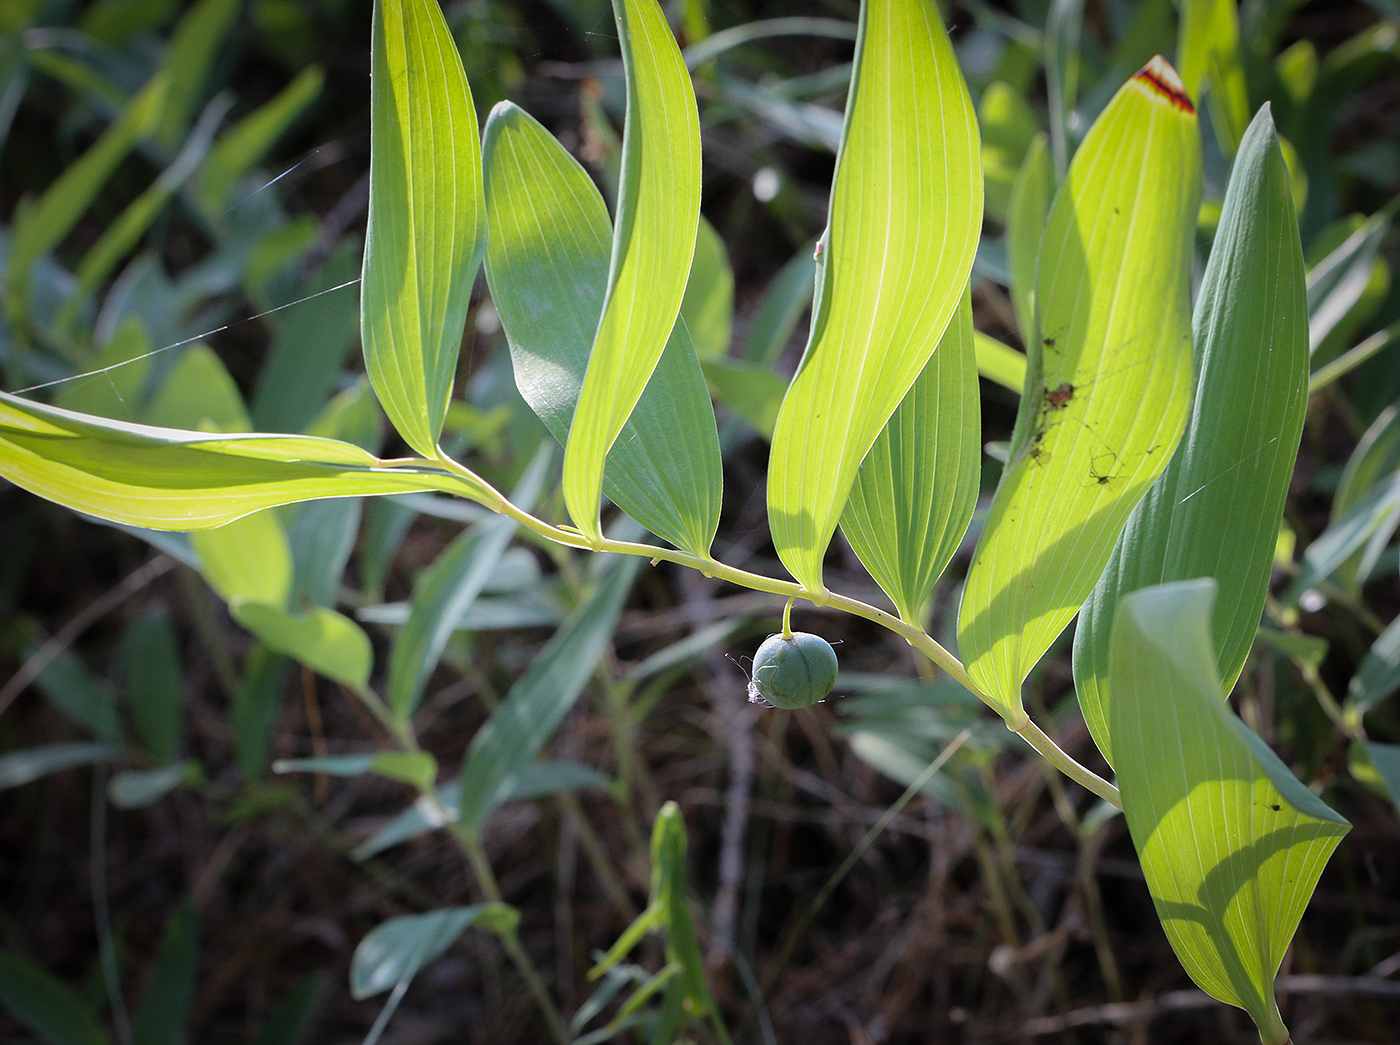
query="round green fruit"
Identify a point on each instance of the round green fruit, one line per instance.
(792, 672)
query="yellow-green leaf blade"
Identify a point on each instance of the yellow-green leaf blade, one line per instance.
(1208, 51)
(1108, 383)
(427, 218)
(547, 264)
(658, 211)
(1031, 194)
(167, 479)
(916, 489)
(1230, 842)
(1215, 511)
(906, 210)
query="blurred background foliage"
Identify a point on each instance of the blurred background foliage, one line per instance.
(183, 190)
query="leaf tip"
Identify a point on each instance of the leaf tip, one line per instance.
(1160, 79)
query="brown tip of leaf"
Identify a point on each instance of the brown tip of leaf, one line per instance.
(1161, 79)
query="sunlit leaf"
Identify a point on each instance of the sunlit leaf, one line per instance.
(548, 268)
(1108, 386)
(1008, 126)
(915, 491)
(427, 217)
(708, 305)
(658, 208)
(167, 479)
(1215, 511)
(906, 211)
(1211, 62)
(1231, 843)
(323, 640)
(999, 362)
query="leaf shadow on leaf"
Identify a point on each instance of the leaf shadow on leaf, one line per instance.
(1226, 878)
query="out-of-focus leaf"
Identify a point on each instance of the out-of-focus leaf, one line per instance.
(291, 1017)
(1215, 511)
(914, 494)
(1385, 759)
(753, 391)
(1369, 521)
(1208, 53)
(49, 1008)
(168, 479)
(906, 210)
(410, 767)
(427, 217)
(323, 640)
(1108, 384)
(248, 559)
(1376, 455)
(1379, 674)
(154, 683)
(85, 699)
(708, 305)
(160, 1020)
(786, 297)
(538, 702)
(255, 709)
(249, 140)
(321, 536)
(138, 788)
(1231, 843)
(1063, 23)
(1025, 224)
(193, 48)
(658, 209)
(547, 264)
(23, 767)
(395, 950)
(999, 363)
(1339, 281)
(39, 226)
(1008, 127)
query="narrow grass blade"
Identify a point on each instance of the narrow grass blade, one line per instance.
(28, 765)
(548, 269)
(538, 702)
(168, 479)
(1215, 511)
(154, 683)
(188, 62)
(1231, 843)
(999, 363)
(658, 209)
(906, 211)
(427, 217)
(916, 489)
(1376, 455)
(708, 305)
(668, 845)
(1109, 381)
(1031, 195)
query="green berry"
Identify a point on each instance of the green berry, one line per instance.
(792, 672)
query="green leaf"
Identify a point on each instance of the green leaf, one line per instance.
(247, 560)
(40, 226)
(1385, 760)
(1338, 284)
(291, 1017)
(154, 682)
(1108, 383)
(1377, 455)
(255, 709)
(427, 217)
(1215, 511)
(916, 489)
(86, 700)
(1367, 526)
(1008, 127)
(198, 394)
(999, 363)
(1031, 194)
(538, 702)
(668, 844)
(409, 767)
(138, 788)
(395, 950)
(161, 1018)
(1379, 674)
(784, 300)
(52, 1010)
(323, 640)
(26, 766)
(753, 391)
(906, 210)
(1231, 843)
(250, 139)
(1208, 51)
(658, 208)
(188, 61)
(708, 305)
(321, 536)
(168, 479)
(547, 264)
